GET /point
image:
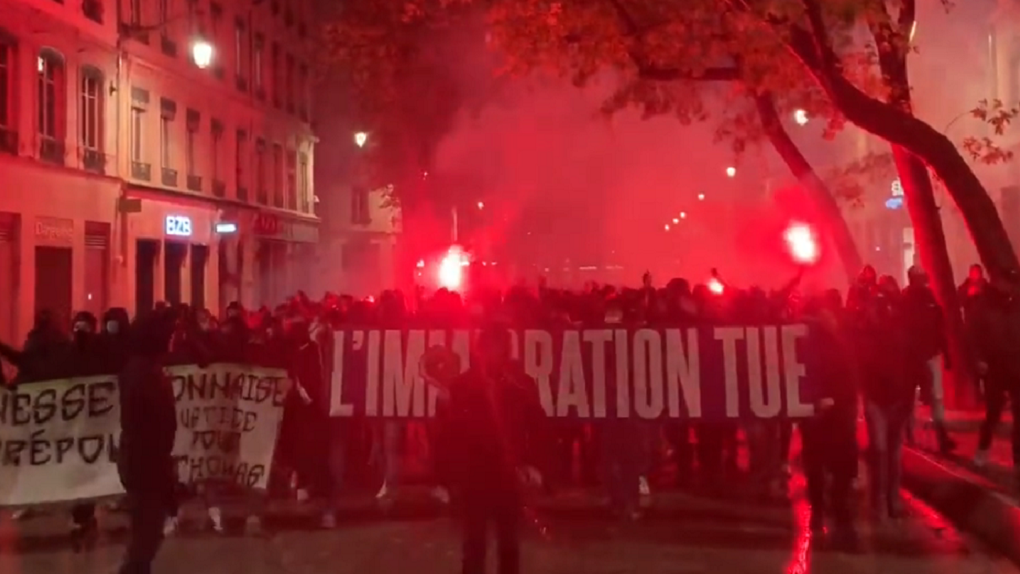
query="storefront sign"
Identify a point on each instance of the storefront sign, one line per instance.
(178, 226)
(271, 226)
(226, 227)
(267, 224)
(53, 230)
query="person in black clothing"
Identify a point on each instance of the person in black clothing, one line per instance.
(997, 333)
(829, 438)
(491, 418)
(85, 357)
(148, 419)
(926, 343)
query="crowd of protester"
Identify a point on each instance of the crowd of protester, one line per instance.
(882, 345)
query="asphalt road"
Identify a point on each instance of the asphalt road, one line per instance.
(682, 534)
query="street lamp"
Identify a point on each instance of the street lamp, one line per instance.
(360, 138)
(481, 205)
(676, 220)
(667, 227)
(801, 117)
(683, 215)
(731, 171)
(202, 53)
(701, 197)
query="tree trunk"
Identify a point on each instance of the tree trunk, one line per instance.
(930, 238)
(900, 128)
(818, 192)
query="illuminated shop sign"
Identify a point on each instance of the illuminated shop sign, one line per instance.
(896, 200)
(178, 226)
(226, 227)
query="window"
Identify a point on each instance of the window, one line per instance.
(274, 77)
(165, 131)
(194, 119)
(90, 118)
(240, 54)
(137, 119)
(302, 95)
(290, 193)
(136, 13)
(217, 151)
(277, 175)
(289, 78)
(50, 106)
(260, 171)
(241, 158)
(304, 195)
(164, 14)
(258, 63)
(359, 206)
(6, 89)
(167, 114)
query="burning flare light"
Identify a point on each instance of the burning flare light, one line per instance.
(801, 241)
(451, 268)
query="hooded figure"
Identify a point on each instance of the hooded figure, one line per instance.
(148, 420)
(44, 352)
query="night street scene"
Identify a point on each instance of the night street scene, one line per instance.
(509, 286)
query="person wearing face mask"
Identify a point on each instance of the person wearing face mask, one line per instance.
(113, 338)
(43, 356)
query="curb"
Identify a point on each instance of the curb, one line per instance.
(972, 503)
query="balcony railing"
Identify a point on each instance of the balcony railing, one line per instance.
(141, 171)
(219, 188)
(93, 160)
(51, 150)
(195, 182)
(8, 141)
(169, 177)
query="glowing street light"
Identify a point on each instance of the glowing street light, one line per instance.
(675, 220)
(801, 117)
(731, 171)
(701, 197)
(667, 227)
(202, 53)
(683, 215)
(360, 138)
(481, 205)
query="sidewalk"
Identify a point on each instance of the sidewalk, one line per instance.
(983, 501)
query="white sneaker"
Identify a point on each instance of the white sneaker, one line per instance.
(643, 487)
(170, 526)
(441, 494)
(216, 519)
(981, 458)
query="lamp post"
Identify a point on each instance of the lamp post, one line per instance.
(202, 53)
(360, 139)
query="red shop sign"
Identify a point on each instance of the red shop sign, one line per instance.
(267, 224)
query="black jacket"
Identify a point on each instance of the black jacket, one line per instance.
(148, 427)
(491, 426)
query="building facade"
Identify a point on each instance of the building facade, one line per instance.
(130, 174)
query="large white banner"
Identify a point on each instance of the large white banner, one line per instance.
(59, 439)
